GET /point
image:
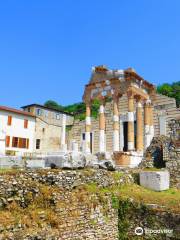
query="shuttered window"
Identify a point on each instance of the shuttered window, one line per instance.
(15, 142)
(7, 141)
(9, 122)
(25, 123)
(20, 142)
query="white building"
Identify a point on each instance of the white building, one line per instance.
(16, 131)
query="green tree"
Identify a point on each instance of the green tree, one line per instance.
(171, 90)
(53, 104)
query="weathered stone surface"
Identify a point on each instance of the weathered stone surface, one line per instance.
(11, 161)
(107, 164)
(164, 153)
(154, 180)
(35, 163)
(68, 211)
(71, 160)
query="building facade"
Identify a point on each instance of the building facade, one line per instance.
(127, 123)
(16, 131)
(50, 128)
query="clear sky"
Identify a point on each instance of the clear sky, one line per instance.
(47, 47)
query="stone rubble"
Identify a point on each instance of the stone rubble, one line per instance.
(84, 216)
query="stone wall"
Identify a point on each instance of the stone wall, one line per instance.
(163, 153)
(154, 221)
(174, 129)
(75, 205)
(54, 204)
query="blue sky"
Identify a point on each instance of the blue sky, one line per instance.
(47, 47)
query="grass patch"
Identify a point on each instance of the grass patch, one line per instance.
(117, 175)
(10, 171)
(92, 187)
(154, 169)
(170, 199)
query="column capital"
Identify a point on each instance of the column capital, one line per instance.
(139, 98)
(130, 94)
(148, 102)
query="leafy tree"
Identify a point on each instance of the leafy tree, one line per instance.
(78, 109)
(171, 90)
(53, 104)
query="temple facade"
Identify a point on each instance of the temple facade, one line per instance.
(128, 113)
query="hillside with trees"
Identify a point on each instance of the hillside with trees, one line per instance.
(78, 109)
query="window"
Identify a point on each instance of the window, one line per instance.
(39, 111)
(7, 141)
(15, 142)
(20, 142)
(9, 122)
(57, 116)
(25, 123)
(38, 141)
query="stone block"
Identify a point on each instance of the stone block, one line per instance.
(155, 180)
(11, 161)
(36, 163)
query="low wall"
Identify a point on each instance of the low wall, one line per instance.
(55, 204)
(73, 205)
(11, 161)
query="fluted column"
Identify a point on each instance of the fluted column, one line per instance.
(88, 128)
(147, 124)
(130, 121)
(115, 124)
(139, 120)
(151, 121)
(102, 147)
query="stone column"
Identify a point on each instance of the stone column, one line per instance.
(130, 121)
(146, 124)
(101, 128)
(88, 129)
(151, 121)
(121, 135)
(115, 124)
(139, 120)
(63, 133)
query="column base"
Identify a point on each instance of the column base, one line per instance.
(127, 159)
(64, 147)
(147, 140)
(102, 141)
(130, 146)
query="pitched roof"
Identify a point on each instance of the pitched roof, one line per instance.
(48, 108)
(13, 110)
